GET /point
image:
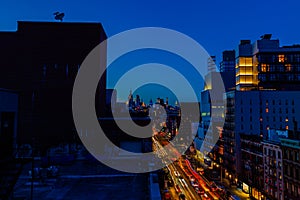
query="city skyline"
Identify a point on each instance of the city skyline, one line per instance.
(185, 101)
(216, 26)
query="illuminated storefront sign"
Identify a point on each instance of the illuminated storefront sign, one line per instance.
(245, 188)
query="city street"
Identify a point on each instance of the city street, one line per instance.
(186, 180)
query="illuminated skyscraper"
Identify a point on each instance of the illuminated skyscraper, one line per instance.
(246, 74)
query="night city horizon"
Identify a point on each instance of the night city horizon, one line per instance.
(158, 100)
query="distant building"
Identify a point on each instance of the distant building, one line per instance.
(291, 168)
(228, 61)
(212, 111)
(251, 179)
(246, 73)
(211, 64)
(273, 164)
(111, 101)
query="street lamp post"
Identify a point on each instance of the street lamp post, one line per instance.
(221, 173)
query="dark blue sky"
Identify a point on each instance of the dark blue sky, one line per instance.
(216, 25)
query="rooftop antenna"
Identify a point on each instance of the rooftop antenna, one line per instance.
(59, 16)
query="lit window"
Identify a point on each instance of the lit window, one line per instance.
(286, 127)
(280, 58)
(288, 67)
(263, 67)
(267, 110)
(287, 119)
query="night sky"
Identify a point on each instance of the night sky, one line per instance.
(216, 25)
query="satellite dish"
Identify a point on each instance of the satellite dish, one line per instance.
(59, 16)
(266, 36)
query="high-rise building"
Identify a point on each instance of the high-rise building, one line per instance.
(246, 73)
(212, 112)
(265, 97)
(277, 67)
(211, 64)
(266, 65)
(228, 61)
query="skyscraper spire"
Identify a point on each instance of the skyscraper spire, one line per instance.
(130, 99)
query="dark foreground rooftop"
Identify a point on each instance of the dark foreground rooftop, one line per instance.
(83, 180)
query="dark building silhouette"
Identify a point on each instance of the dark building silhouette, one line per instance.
(40, 61)
(8, 122)
(110, 102)
(228, 61)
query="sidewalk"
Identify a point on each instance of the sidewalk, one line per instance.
(234, 190)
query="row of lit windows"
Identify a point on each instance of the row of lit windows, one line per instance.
(274, 119)
(271, 152)
(281, 58)
(272, 190)
(292, 171)
(267, 110)
(279, 77)
(279, 68)
(246, 79)
(279, 102)
(271, 172)
(267, 127)
(244, 61)
(279, 110)
(292, 189)
(244, 70)
(275, 126)
(291, 155)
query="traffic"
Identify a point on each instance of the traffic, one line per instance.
(184, 182)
